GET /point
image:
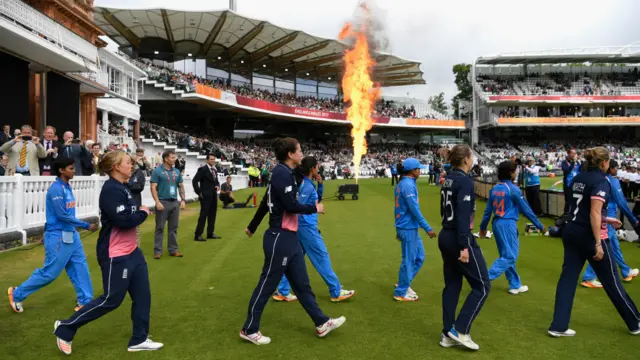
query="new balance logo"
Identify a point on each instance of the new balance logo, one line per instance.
(601, 193)
(124, 274)
(284, 262)
(467, 198)
(288, 189)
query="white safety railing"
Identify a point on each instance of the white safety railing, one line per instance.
(30, 18)
(23, 199)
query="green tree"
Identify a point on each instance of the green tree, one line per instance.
(465, 90)
(437, 103)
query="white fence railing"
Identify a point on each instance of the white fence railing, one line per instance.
(43, 26)
(22, 200)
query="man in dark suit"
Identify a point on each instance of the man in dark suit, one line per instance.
(51, 147)
(206, 185)
(73, 149)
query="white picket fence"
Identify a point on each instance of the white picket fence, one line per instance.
(22, 201)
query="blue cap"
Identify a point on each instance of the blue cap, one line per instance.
(412, 164)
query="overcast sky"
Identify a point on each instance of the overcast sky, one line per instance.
(440, 34)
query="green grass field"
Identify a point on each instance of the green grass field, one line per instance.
(199, 302)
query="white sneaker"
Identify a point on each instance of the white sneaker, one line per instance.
(567, 333)
(522, 289)
(147, 345)
(636, 332)
(463, 339)
(447, 342)
(324, 329)
(16, 306)
(256, 338)
(408, 297)
(410, 291)
(64, 346)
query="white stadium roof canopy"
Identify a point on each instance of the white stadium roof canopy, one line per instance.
(230, 41)
(629, 54)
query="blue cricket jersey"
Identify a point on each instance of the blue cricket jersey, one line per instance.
(569, 171)
(394, 169)
(407, 206)
(61, 208)
(308, 195)
(505, 202)
(618, 199)
(587, 186)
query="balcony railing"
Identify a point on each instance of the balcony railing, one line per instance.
(41, 25)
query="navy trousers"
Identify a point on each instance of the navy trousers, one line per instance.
(578, 248)
(475, 272)
(282, 256)
(120, 275)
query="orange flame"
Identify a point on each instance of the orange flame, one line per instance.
(359, 89)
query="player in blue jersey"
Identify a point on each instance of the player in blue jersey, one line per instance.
(505, 202)
(408, 220)
(461, 255)
(62, 246)
(584, 238)
(617, 200)
(311, 239)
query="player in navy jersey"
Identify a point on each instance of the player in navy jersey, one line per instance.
(585, 239)
(282, 250)
(461, 255)
(124, 268)
(505, 202)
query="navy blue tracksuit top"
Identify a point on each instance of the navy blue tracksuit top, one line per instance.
(281, 202)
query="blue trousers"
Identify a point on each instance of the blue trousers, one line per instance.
(576, 251)
(475, 272)
(282, 255)
(412, 259)
(314, 247)
(506, 233)
(120, 275)
(60, 256)
(614, 245)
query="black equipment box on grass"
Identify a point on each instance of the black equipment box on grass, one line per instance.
(348, 189)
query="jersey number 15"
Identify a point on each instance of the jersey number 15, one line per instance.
(446, 203)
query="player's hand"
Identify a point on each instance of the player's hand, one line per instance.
(319, 179)
(599, 253)
(617, 224)
(483, 234)
(183, 205)
(431, 234)
(320, 208)
(144, 208)
(249, 233)
(93, 227)
(159, 206)
(464, 256)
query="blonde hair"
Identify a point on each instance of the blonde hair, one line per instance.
(111, 159)
(595, 156)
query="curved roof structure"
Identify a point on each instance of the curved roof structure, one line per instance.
(230, 41)
(629, 54)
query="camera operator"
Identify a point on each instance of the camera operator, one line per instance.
(73, 149)
(24, 152)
